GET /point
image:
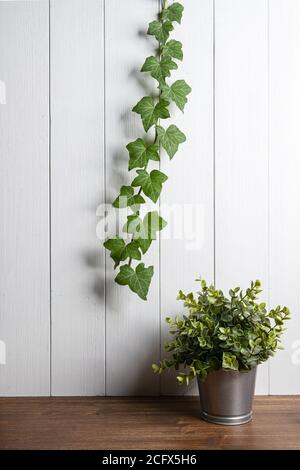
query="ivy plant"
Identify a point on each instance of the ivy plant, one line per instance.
(145, 184)
(233, 333)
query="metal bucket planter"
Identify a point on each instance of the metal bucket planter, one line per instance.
(226, 396)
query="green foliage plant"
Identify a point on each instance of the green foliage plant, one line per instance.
(233, 333)
(148, 184)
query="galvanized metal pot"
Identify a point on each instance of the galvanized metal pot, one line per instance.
(226, 396)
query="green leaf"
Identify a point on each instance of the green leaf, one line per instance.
(151, 112)
(127, 198)
(116, 246)
(153, 223)
(144, 231)
(161, 30)
(144, 244)
(119, 251)
(133, 224)
(136, 228)
(230, 361)
(157, 369)
(140, 153)
(133, 250)
(146, 228)
(203, 340)
(159, 69)
(173, 12)
(138, 280)
(170, 139)
(172, 49)
(151, 184)
(177, 92)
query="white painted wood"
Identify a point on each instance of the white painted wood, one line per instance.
(188, 251)
(284, 186)
(78, 314)
(241, 136)
(257, 115)
(24, 228)
(133, 325)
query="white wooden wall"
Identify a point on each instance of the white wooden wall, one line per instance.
(70, 72)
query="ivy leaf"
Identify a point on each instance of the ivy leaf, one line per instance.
(119, 251)
(170, 139)
(140, 153)
(151, 112)
(177, 92)
(138, 280)
(144, 244)
(151, 184)
(153, 223)
(133, 225)
(173, 12)
(116, 247)
(161, 30)
(173, 49)
(127, 198)
(159, 69)
(144, 231)
(133, 251)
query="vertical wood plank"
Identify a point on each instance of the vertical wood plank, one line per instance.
(24, 229)
(77, 161)
(241, 136)
(188, 251)
(284, 188)
(132, 342)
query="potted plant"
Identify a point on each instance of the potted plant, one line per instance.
(220, 342)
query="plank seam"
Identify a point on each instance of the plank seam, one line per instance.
(214, 141)
(159, 277)
(50, 196)
(105, 189)
(268, 176)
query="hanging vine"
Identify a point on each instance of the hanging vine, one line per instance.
(148, 184)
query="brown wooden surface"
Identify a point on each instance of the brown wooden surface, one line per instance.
(142, 423)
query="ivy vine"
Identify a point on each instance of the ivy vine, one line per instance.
(148, 184)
